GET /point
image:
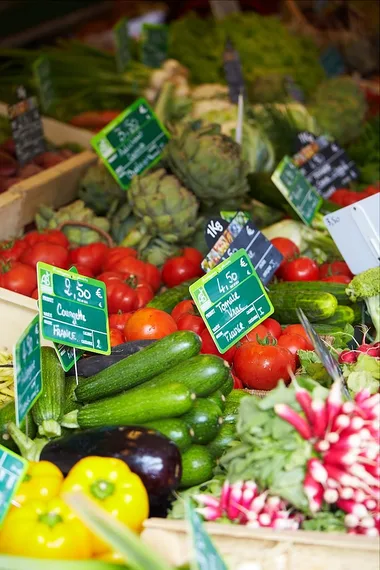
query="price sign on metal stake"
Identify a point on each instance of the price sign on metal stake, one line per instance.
(205, 555)
(12, 472)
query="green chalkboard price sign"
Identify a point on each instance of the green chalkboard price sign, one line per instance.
(131, 143)
(27, 369)
(12, 471)
(73, 309)
(293, 185)
(154, 44)
(44, 81)
(231, 300)
(205, 556)
(122, 45)
(67, 356)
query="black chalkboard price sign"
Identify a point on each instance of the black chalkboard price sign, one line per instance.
(27, 129)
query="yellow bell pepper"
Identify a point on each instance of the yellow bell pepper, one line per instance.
(45, 529)
(114, 487)
(43, 480)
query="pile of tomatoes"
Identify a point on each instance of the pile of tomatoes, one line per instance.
(345, 197)
(295, 267)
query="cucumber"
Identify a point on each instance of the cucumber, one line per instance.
(316, 306)
(202, 374)
(134, 407)
(8, 414)
(167, 300)
(48, 409)
(336, 289)
(218, 398)
(197, 466)
(204, 420)
(141, 366)
(226, 435)
(227, 386)
(343, 315)
(174, 429)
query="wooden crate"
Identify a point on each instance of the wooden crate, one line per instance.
(270, 550)
(16, 312)
(55, 186)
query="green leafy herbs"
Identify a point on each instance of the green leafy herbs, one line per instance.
(326, 521)
(364, 373)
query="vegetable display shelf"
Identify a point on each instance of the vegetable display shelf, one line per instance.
(54, 187)
(269, 549)
(16, 312)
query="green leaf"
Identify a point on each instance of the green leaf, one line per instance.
(280, 395)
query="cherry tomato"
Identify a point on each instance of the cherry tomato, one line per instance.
(298, 329)
(51, 236)
(238, 384)
(11, 250)
(115, 254)
(189, 322)
(193, 254)
(120, 297)
(20, 278)
(116, 337)
(91, 256)
(334, 268)
(258, 335)
(209, 347)
(301, 269)
(179, 269)
(50, 253)
(287, 248)
(83, 270)
(338, 279)
(182, 308)
(294, 343)
(273, 327)
(119, 320)
(149, 324)
(262, 367)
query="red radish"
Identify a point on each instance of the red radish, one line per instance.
(304, 399)
(236, 494)
(209, 513)
(352, 508)
(334, 402)
(320, 417)
(347, 493)
(314, 493)
(351, 521)
(288, 414)
(317, 471)
(258, 503)
(225, 496)
(207, 501)
(331, 496)
(348, 356)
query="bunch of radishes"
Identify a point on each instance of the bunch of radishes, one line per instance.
(348, 356)
(346, 468)
(242, 503)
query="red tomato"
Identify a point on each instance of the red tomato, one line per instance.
(120, 297)
(262, 367)
(182, 308)
(34, 295)
(108, 276)
(258, 335)
(273, 327)
(193, 254)
(20, 278)
(209, 347)
(287, 248)
(149, 324)
(301, 269)
(132, 267)
(116, 337)
(119, 320)
(83, 270)
(51, 236)
(298, 329)
(153, 276)
(91, 256)
(50, 253)
(338, 279)
(189, 322)
(144, 294)
(179, 269)
(238, 384)
(11, 250)
(334, 268)
(115, 254)
(293, 342)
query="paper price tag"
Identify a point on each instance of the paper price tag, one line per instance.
(131, 143)
(73, 309)
(297, 190)
(355, 230)
(27, 130)
(205, 555)
(122, 45)
(154, 47)
(231, 300)
(12, 472)
(27, 369)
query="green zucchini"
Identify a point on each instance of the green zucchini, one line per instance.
(48, 409)
(336, 289)
(174, 429)
(227, 385)
(197, 466)
(316, 306)
(70, 401)
(204, 420)
(8, 414)
(343, 315)
(226, 435)
(231, 410)
(140, 367)
(167, 300)
(202, 374)
(218, 398)
(133, 407)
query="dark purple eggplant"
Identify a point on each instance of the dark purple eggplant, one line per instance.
(147, 453)
(91, 365)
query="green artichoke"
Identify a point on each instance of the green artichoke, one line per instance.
(99, 190)
(158, 251)
(166, 208)
(209, 163)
